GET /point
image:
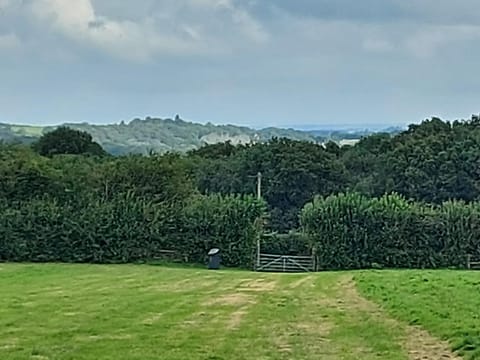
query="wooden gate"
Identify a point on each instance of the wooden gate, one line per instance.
(473, 263)
(284, 263)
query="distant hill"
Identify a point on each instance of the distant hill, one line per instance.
(353, 134)
(161, 135)
(158, 135)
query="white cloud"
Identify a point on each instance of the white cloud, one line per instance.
(5, 3)
(178, 27)
(9, 42)
(68, 15)
(239, 16)
(377, 45)
(212, 3)
(249, 26)
(429, 40)
(78, 21)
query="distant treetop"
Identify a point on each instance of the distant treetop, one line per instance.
(65, 140)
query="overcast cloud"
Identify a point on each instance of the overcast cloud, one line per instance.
(255, 62)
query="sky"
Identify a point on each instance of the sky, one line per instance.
(288, 63)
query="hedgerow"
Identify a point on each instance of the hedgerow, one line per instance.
(128, 229)
(351, 231)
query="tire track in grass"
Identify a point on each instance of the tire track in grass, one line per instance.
(419, 344)
(282, 324)
(310, 323)
(240, 300)
(215, 311)
(308, 316)
(353, 334)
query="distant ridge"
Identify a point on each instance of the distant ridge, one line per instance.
(142, 136)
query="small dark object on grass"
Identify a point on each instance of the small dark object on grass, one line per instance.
(214, 259)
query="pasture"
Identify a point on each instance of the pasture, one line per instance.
(62, 311)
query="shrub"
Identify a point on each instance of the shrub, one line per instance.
(127, 229)
(351, 231)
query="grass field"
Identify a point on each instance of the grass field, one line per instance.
(52, 311)
(447, 303)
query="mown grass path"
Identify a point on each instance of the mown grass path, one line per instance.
(52, 311)
(446, 302)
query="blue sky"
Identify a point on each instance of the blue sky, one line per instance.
(316, 63)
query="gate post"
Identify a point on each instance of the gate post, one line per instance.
(314, 259)
(258, 251)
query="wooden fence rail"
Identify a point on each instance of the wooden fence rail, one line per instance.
(473, 263)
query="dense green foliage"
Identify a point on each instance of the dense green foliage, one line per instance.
(127, 229)
(432, 162)
(352, 231)
(64, 140)
(292, 173)
(228, 223)
(292, 243)
(427, 165)
(81, 209)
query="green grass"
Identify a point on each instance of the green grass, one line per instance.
(446, 303)
(152, 312)
(60, 311)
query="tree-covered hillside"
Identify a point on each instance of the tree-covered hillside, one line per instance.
(162, 135)
(158, 135)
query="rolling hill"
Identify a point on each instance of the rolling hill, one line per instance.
(161, 135)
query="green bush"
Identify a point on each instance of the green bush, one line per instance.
(227, 223)
(351, 231)
(127, 229)
(292, 243)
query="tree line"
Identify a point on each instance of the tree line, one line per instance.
(431, 163)
(65, 199)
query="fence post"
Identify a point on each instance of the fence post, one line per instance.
(258, 251)
(258, 224)
(314, 259)
(469, 258)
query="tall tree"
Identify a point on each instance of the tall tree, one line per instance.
(65, 140)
